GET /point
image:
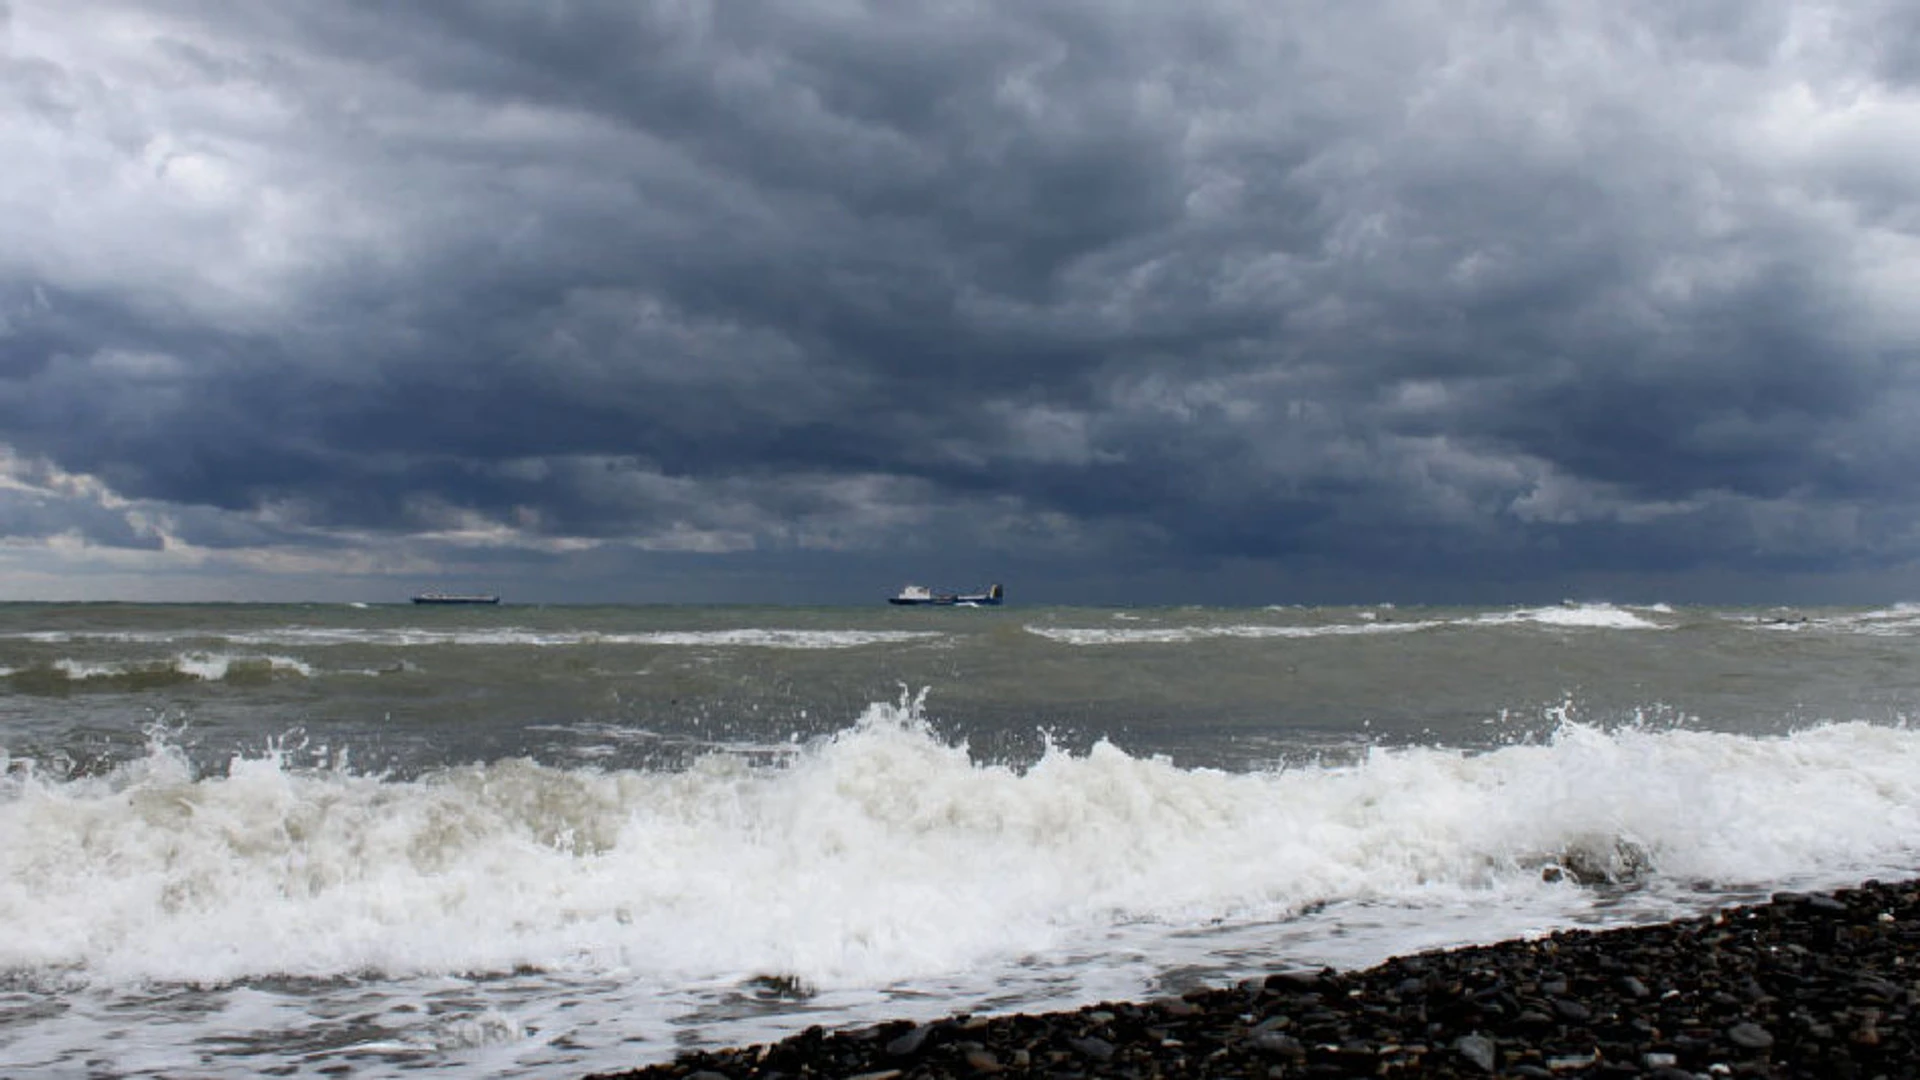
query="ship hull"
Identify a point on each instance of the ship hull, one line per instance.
(915, 596)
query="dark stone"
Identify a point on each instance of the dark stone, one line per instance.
(1279, 1045)
(1750, 1037)
(1271, 1023)
(1477, 1050)
(1877, 991)
(1568, 1009)
(913, 1042)
(1294, 982)
(1093, 1046)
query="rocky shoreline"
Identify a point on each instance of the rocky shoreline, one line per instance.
(1808, 985)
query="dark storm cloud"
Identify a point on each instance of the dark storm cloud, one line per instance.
(1514, 289)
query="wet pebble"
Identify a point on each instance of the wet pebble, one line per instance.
(1811, 985)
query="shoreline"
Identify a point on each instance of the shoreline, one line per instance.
(1806, 985)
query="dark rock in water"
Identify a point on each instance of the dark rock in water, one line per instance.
(780, 986)
(1601, 861)
(1301, 982)
(1806, 986)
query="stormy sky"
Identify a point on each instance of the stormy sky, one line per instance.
(1233, 301)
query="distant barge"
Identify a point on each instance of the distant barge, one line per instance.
(455, 598)
(921, 596)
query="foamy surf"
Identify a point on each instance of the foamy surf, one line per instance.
(884, 854)
(497, 637)
(1579, 616)
(1366, 624)
(67, 672)
(509, 636)
(1174, 635)
(1898, 621)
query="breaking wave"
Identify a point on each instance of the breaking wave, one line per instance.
(64, 674)
(1370, 623)
(403, 637)
(884, 853)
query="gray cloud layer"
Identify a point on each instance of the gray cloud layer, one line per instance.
(1476, 294)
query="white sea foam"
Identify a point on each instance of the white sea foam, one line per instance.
(80, 671)
(204, 666)
(213, 667)
(778, 639)
(135, 637)
(1174, 635)
(1593, 616)
(749, 637)
(884, 854)
(420, 636)
(1897, 611)
(1900, 620)
(1577, 616)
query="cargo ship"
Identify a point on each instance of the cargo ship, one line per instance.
(921, 596)
(455, 598)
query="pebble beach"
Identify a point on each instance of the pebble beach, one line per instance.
(1817, 985)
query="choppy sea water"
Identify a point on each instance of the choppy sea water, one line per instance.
(308, 840)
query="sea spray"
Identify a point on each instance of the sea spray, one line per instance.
(884, 853)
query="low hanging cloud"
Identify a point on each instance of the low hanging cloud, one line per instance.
(1461, 294)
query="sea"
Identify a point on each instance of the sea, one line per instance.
(384, 840)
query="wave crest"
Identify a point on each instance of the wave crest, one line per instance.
(884, 852)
